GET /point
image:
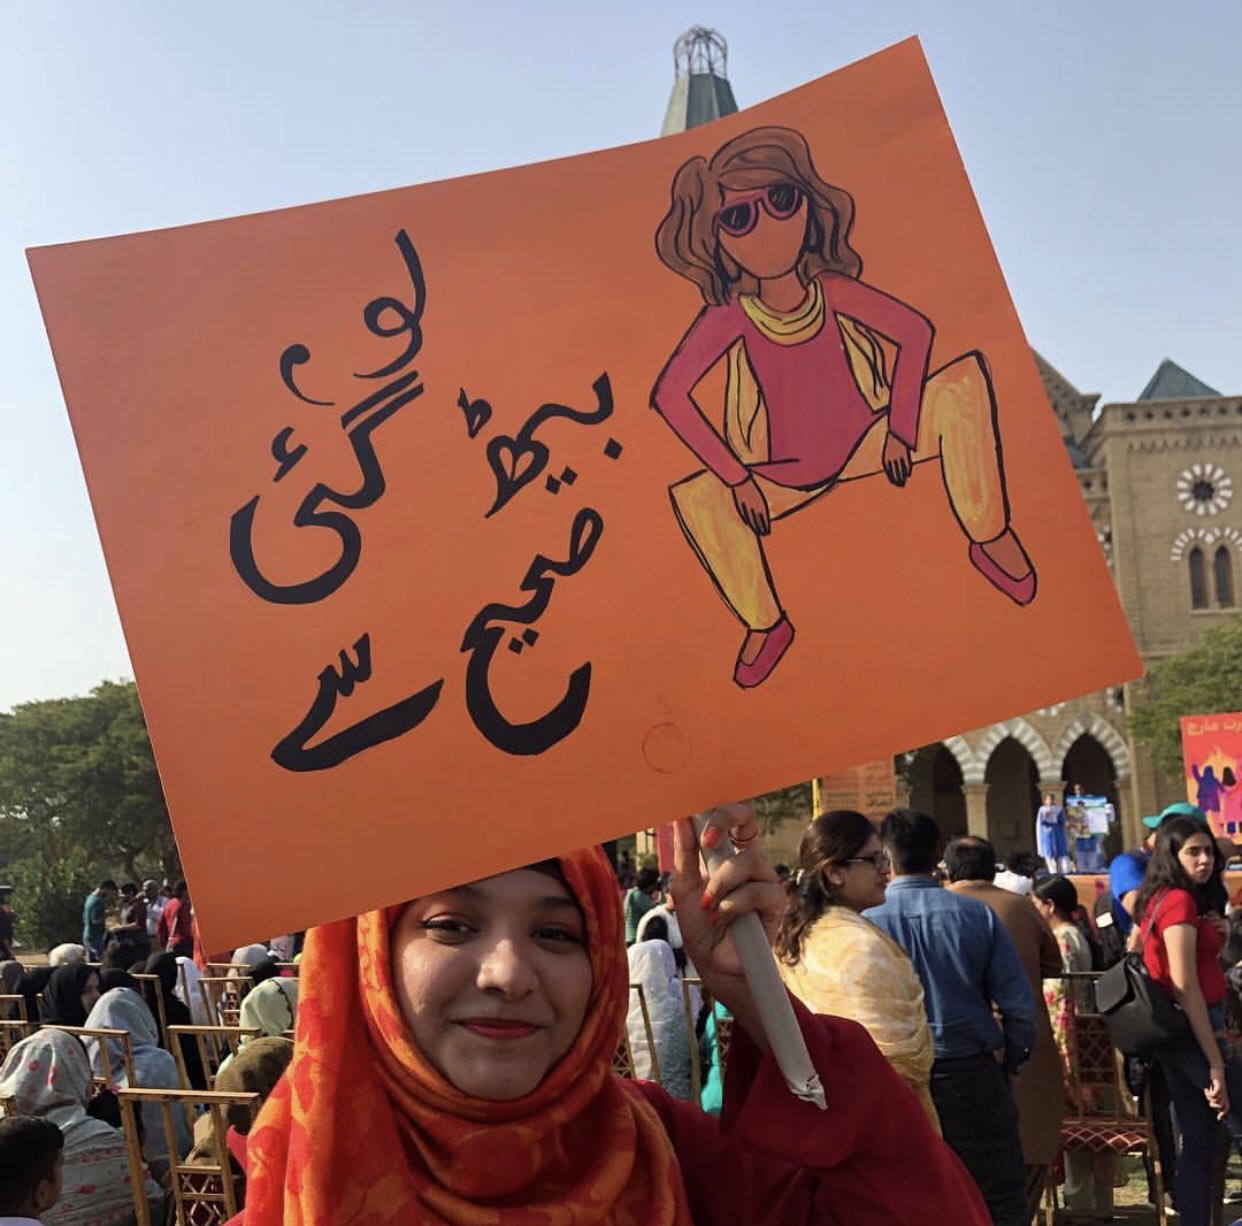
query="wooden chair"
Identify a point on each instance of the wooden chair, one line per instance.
(153, 993)
(13, 1007)
(14, 1025)
(111, 1074)
(12, 1031)
(203, 1194)
(690, 1013)
(648, 1032)
(213, 1043)
(229, 970)
(1102, 1117)
(222, 997)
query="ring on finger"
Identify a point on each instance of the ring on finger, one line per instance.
(743, 842)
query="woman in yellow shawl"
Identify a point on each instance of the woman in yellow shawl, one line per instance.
(840, 964)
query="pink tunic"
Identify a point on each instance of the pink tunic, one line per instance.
(816, 413)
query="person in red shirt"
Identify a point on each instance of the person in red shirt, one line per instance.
(175, 931)
(1179, 918)
(453, 1063)
(827, 381)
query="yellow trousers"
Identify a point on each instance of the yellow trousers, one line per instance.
(957, 424)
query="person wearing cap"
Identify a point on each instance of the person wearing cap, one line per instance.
(1126, 871)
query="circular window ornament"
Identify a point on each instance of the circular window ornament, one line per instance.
(1205, 489)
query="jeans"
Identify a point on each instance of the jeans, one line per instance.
(980, 1125)
(1186, 1070)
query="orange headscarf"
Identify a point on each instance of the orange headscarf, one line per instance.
(363, 1130)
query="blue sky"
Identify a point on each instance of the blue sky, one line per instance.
(1102, 139)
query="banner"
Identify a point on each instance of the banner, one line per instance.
(455, 526)
(870, 789)
(1212, 755)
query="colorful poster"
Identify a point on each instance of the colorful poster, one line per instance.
(458, 525)
(1212, 755)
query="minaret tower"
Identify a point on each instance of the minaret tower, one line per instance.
(701, 89)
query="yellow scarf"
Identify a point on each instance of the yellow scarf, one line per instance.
(746, 418)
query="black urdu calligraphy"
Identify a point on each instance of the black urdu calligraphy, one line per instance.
(386, 317)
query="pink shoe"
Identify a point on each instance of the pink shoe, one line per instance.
(1020, 591)
(774, 647)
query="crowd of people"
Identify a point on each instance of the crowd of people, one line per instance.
(455, 1054)
(63, 1155)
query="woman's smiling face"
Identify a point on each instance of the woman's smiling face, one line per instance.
(494, 980)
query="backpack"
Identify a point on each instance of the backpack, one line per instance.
(1111, 944)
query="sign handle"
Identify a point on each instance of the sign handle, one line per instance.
(780, 1024)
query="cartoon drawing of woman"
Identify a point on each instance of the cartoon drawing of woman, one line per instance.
(827, 381)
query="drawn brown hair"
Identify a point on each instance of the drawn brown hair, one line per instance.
(686, 239)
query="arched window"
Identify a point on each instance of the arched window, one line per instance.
(1198, 580)
(1222, 566)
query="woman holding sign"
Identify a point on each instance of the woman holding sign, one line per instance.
(827, 381)
(453, 1065)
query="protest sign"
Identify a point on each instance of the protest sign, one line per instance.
(414, 503)
(870, 788)
(1212, 755)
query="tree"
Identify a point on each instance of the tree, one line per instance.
(1205, 680)
(78, 782)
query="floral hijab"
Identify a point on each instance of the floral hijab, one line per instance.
(48, 1076)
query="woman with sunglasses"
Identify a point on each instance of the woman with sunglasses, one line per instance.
(827, 381)
(453, 1065)
(840, 964)
(1179, 924)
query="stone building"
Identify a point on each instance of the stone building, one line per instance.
(1157, 475)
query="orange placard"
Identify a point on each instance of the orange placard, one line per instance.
(1212, 756)
(414, 503)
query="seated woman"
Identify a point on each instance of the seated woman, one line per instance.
(653, 967)
(70, 994)
(453, 1063)
(48, 1075)
(836, 962)
(256, 1069)
(66, 955)
(270, 1008)
(176, 1013)
(154, 1068)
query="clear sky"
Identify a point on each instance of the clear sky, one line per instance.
(1102, 138)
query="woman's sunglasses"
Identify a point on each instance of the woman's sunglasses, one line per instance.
(779, 200)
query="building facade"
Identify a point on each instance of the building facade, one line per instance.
(1158, 478)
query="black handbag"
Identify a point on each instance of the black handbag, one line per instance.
(1141, 1015)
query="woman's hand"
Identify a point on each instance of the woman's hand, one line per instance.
(752, 506)
(1217, 1093)
(897, 464)
(707, 907)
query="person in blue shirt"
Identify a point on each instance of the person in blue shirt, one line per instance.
(970, 971)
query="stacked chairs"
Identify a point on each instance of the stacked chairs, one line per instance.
(222, 997)
(202, 1193)
(214, 1043)
(110, 1074)
(1101, 1116)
